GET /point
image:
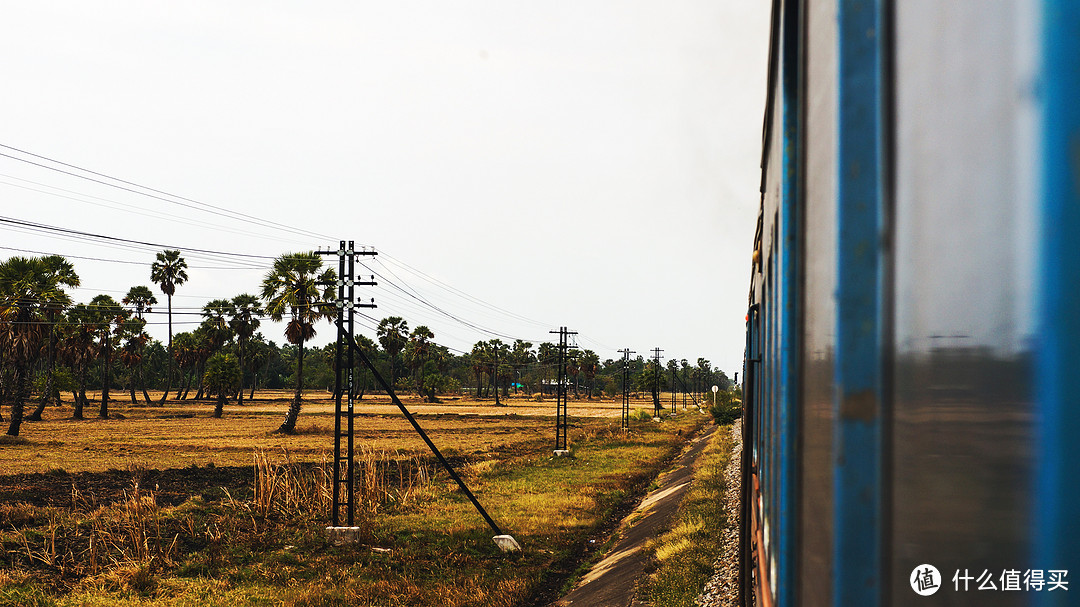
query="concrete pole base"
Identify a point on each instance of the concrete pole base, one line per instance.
(507, 543)
(561, 452)
(343, 535)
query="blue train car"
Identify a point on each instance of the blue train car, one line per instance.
(912, 371)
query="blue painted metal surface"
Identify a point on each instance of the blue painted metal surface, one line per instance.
(787, 295)
(1057, 526)
(769, 448)
(858, 472)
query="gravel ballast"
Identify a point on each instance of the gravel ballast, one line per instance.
(723, 589)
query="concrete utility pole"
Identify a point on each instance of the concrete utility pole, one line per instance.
(560, 394)
(656, 382)
(495, 375)
(674, 405)
(343, 458)
(626, 352)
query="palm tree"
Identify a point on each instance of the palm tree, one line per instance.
(222, 378)
(77, 348)
(498, 352)
(244, 321)
(132, 353)
(361, 375)
(258, 351)
(704, 368)
(298, 286)
(57, 272)
(417, 351)
(109, 320)
(207, 339)
(140, 298)
(590, 366)
(186, 355)
(169, 272)
(521, 354)
(215, 326)
(53, 272)
(548, 356)
(481, 360)
(392, 333)
(216, 316)
(434, 373)
(22, 327)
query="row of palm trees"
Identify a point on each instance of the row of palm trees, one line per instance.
(296, 289)
(416, 350)
(40, 326)
(38, 318)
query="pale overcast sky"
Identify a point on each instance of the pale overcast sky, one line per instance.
(519, 165)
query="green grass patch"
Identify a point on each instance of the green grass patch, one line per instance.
(683, 556)
(25, 593)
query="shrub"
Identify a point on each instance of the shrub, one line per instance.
(728, 407)
(453, 386)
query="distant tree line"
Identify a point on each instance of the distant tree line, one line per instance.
(51, 346)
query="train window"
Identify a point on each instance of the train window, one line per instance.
(964, 272)
(815, 505)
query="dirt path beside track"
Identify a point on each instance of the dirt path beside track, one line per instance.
(611, 582)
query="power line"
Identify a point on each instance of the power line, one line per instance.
(419, 298)
(134, 263)
(459, 292)
(399, 285)
(195, 204)
(128, 247)
(49, 228)
(190, 203)
(470, 298)
(134, 209)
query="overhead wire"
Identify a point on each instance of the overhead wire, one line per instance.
(412, 297)
(142, 250)
(134, 209)
(106, 260)
(459, 292)
(68, 231)
(398, 284)
(407, 307)
(155, 193)
(466, 296)
(416, 296)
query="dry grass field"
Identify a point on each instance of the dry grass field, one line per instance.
(181, 434)
(164, 505)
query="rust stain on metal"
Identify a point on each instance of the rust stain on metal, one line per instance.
(860, 406)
